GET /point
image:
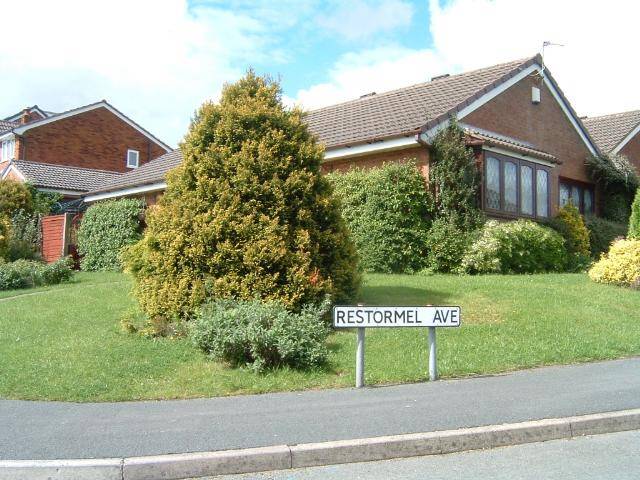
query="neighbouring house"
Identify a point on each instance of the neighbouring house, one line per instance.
(530, 144)
(618, 134)
(74, 152)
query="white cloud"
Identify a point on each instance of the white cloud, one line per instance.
(596, 68)
(376, 70)
(156, 61)
(358, 19)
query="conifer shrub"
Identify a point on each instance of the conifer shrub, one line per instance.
(522, 246)
(569, 223)
(385, 209)
(247, 214)
(619, 266)
(634, 219)
(105, 229)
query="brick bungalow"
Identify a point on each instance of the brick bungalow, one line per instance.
(618, 134)
(76, 151)
(527, 138)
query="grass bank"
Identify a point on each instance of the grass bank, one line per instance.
(64, 342)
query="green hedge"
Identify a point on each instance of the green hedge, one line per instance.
(386, 211)
(105, 229)
(602, 233)
(522, 246)
(29, 273)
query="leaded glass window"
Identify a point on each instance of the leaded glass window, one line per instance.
(575, 196)
(493, 183)
(510, 187)
(588, 201)
(542, 193)
(526, 190)
(565, 194)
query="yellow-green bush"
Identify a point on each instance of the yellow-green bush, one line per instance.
(246, 215)
(620, 266)
(14, 196)
(569, 223)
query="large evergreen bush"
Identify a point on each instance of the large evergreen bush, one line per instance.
(386, 211)
(246, 214)
(106, 228)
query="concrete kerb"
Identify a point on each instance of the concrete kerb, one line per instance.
(282, 457)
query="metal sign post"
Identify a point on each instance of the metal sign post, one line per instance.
(360, 359)
(433, 365)
(361, 317)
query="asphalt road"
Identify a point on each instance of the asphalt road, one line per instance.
(54, 430)
(614, 456)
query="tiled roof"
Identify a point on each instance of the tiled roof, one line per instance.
(47, 175)
(405, 111)
(609, 130)
(151, 172)
(497, 140)
(5, 125)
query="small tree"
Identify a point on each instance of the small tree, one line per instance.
(247, 213)
(634, 220)
(14, 196)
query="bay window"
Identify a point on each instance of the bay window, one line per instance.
(581, 195)
(515, 187)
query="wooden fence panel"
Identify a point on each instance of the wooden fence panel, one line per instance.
(55, 236)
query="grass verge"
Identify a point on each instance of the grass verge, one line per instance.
(64, 342)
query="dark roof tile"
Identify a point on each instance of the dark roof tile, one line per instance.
(62, 177)
(609, 130)
(406, 110)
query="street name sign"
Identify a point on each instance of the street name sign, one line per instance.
(376, 316)
(362, 317)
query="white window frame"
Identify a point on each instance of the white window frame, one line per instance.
(8, 151)
(129, 165)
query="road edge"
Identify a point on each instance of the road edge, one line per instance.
(282, 457)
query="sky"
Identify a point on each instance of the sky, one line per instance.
(158, 60)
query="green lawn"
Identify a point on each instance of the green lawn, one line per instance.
(64, 342)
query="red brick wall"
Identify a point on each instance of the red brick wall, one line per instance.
(28, 117)
(632, 151)
(544, 125)
(419, 153)
(93, 139)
